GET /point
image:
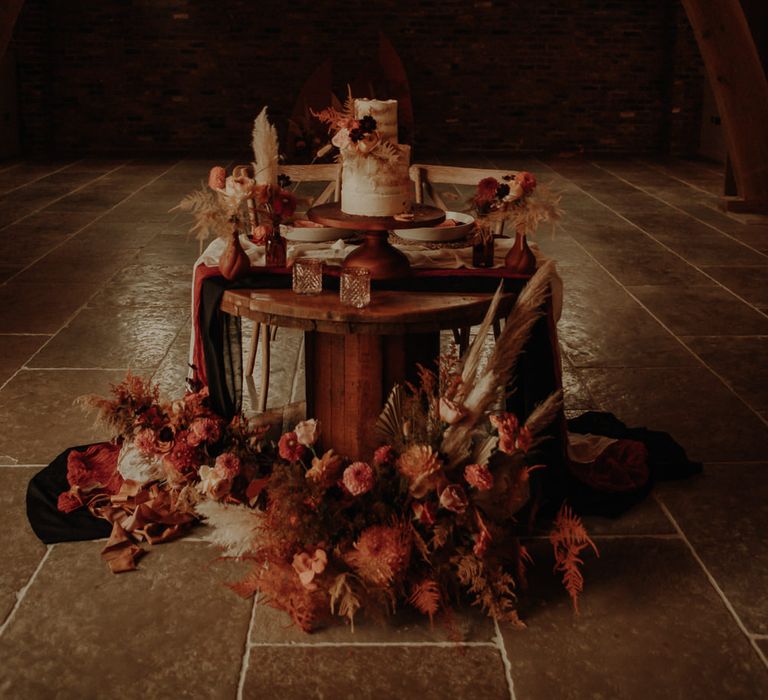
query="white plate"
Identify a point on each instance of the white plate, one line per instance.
(314, 234)
(439, 234)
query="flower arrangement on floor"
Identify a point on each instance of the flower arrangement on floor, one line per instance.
(429, 516)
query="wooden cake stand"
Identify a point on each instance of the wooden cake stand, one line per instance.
(382, 259)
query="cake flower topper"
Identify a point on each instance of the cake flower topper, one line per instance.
(357, 135)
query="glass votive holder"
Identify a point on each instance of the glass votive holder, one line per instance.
(307, 276)
(355, 287)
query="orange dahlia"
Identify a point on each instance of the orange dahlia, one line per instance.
(381, 554)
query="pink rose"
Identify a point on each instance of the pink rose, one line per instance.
(290, 448)
(454, 498)
(308, 566)
(228, 464)
(341, 138)
(526, 180)
(358, 478)
(217, 178)
(307, 432)
(204, 430)
(479, 476)
(384, 455)
(424, 512)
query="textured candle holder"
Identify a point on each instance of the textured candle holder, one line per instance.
(307, 276)
(355, 287)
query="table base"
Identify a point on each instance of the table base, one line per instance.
(349, 378)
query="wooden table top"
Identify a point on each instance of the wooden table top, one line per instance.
(390, 312)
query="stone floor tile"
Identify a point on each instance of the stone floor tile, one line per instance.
(169, 249)
(602, 326)
(171, 374)
(38, 416)
(370, 673)
(690, 403)
(701, 245)
(8, 271)
(20, 549)
(651, 626)
(15, 350)
(148, 285)
(750, 283)
(40, 307)
(741, 361)
(708, 310)
(723, 513)
(575, 392)
(75, 261)
(467, 625)
(645, 518)
(649, 266)
(106, 236)
(170, 629)
(135, 337)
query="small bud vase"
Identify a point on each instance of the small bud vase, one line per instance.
(520, 258)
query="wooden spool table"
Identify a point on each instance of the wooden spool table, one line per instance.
(353, 357)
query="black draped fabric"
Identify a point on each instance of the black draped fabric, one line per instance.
(47, 521)
(667, 461)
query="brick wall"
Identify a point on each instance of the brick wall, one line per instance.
(161, 76)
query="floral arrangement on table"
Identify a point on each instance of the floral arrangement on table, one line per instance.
(429, 516)
(256, 194)
(357, 137)
(517, 198)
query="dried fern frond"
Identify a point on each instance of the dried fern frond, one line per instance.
(426, 598)
(344, 602)
(569, 538)
(212, 212)
(265, 150)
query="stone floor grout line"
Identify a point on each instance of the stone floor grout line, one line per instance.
(610, 536)
(37, 179)
(246, 660)
(92, 221)
(96, 291)
(183, 327)
(16, 466)
(26, 368)
(53, 201)
(667, 173)
(343, 645)
(681, 210)
(712, 581)
(24, 335)
(758, 635)
(698, 268)
(669, 330)
(504, 659)
(22, 592)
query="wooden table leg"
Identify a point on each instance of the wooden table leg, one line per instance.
(349, 378)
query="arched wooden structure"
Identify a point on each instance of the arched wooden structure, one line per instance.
(739, 84)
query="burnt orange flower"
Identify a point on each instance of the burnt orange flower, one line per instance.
(422, 468)
(290, 448)
(325, 470)
(381, 554)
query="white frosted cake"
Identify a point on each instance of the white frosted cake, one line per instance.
(374, 175)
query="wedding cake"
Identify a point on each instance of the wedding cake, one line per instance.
(374, 175)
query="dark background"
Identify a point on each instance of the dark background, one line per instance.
(97, 77)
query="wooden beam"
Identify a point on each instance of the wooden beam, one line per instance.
(9, 12)
(741, 92)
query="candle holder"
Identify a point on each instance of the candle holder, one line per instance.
(307, 276)
(355, 287)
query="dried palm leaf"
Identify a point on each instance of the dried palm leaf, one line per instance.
(389, 424)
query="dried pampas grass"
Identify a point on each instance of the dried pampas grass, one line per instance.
(233, 527)
(265, 150)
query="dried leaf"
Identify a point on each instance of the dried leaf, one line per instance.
(425, 597)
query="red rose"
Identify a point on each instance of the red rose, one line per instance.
(290, 448)
(479, 476)
(486, 189)
(283, 203)
(384, 455)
